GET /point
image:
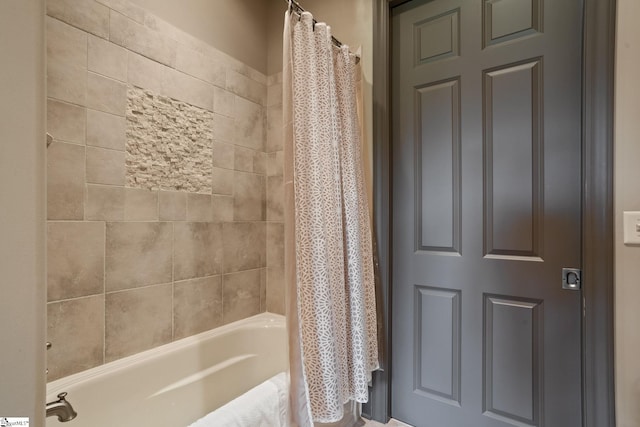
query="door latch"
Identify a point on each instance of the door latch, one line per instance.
(572, 279)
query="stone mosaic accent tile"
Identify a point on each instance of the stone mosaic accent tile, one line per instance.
(169, 144)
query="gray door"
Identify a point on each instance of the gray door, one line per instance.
(486, 146)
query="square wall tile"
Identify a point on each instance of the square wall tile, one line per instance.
(66, 122)
(223, 102)
(275, 163)
(222, 181)
(223, 128)
(67, 83)
(222, 207)
(75, 259)
(138, 254)
(105, 166)
(82, 319)
(197, 250)
(223, 155)
(246, 87)
(194, 63)
(105, 94)
(197, 306)
(145, 73)
(249, 124)
(87, 15)
(104, 203)
(275, 136)
(199, 207)
(65, 181)
(107, 59)
(141, 39)
(66, 44)
(275, 198)
(140, 205)
(106, 130)
(249, 197)
(244, 246)
(137, 320)
(241, 295)
(275, 244)
(275, 290)
(172, 205)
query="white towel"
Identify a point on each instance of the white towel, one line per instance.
(265, 405)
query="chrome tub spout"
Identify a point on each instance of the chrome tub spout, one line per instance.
(61, 409)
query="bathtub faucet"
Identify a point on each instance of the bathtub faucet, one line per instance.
(61, 409)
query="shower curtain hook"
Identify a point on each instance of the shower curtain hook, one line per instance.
(290, 6)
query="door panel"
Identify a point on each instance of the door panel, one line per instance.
(486, 212)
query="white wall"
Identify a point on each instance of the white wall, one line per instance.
(627, 197)
(22, 211)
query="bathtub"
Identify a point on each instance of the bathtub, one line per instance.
(177, 383)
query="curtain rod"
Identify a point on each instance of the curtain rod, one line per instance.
(299, 9)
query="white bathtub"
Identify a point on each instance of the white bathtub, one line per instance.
(176, 384)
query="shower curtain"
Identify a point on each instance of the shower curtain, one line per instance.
(329, 274)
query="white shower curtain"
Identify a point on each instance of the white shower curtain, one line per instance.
(329, 277)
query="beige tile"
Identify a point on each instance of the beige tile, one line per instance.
(66, 122)
(197, 306)
(107, 95)
(223, 155)
(222, 207)
(199, 207)
(275, 138)
(140, 205)
(194, 63)
(106, 130)
(107, 59)
(197, 250)
(275, 290)
(145, 73)
(104, 203)
(172, 205)
(223, 102)
(275, 198)
(274, 94)
(244, 159)
(275, 163)
(137, 320)
(138, 254)
(249, 124)
(222, 181)
(275, 244)
(141, 39)
(75, 259)
(223, 128)
(246, 87)
(241, 295)
(67, 83)
(105, 166)
(249, 197)
(219, 75)
(244, 246)
(260, 162)
(126, 8)
(76, 331)
(263, 290)
(185, 88)
(66, 44)
(87, 15)
(65, 181)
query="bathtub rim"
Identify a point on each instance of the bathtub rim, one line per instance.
(259, 321)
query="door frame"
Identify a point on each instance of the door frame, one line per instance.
(598, 399)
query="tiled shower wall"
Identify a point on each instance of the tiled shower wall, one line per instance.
(136, 261)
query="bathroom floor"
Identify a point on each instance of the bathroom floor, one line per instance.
(391, 423)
